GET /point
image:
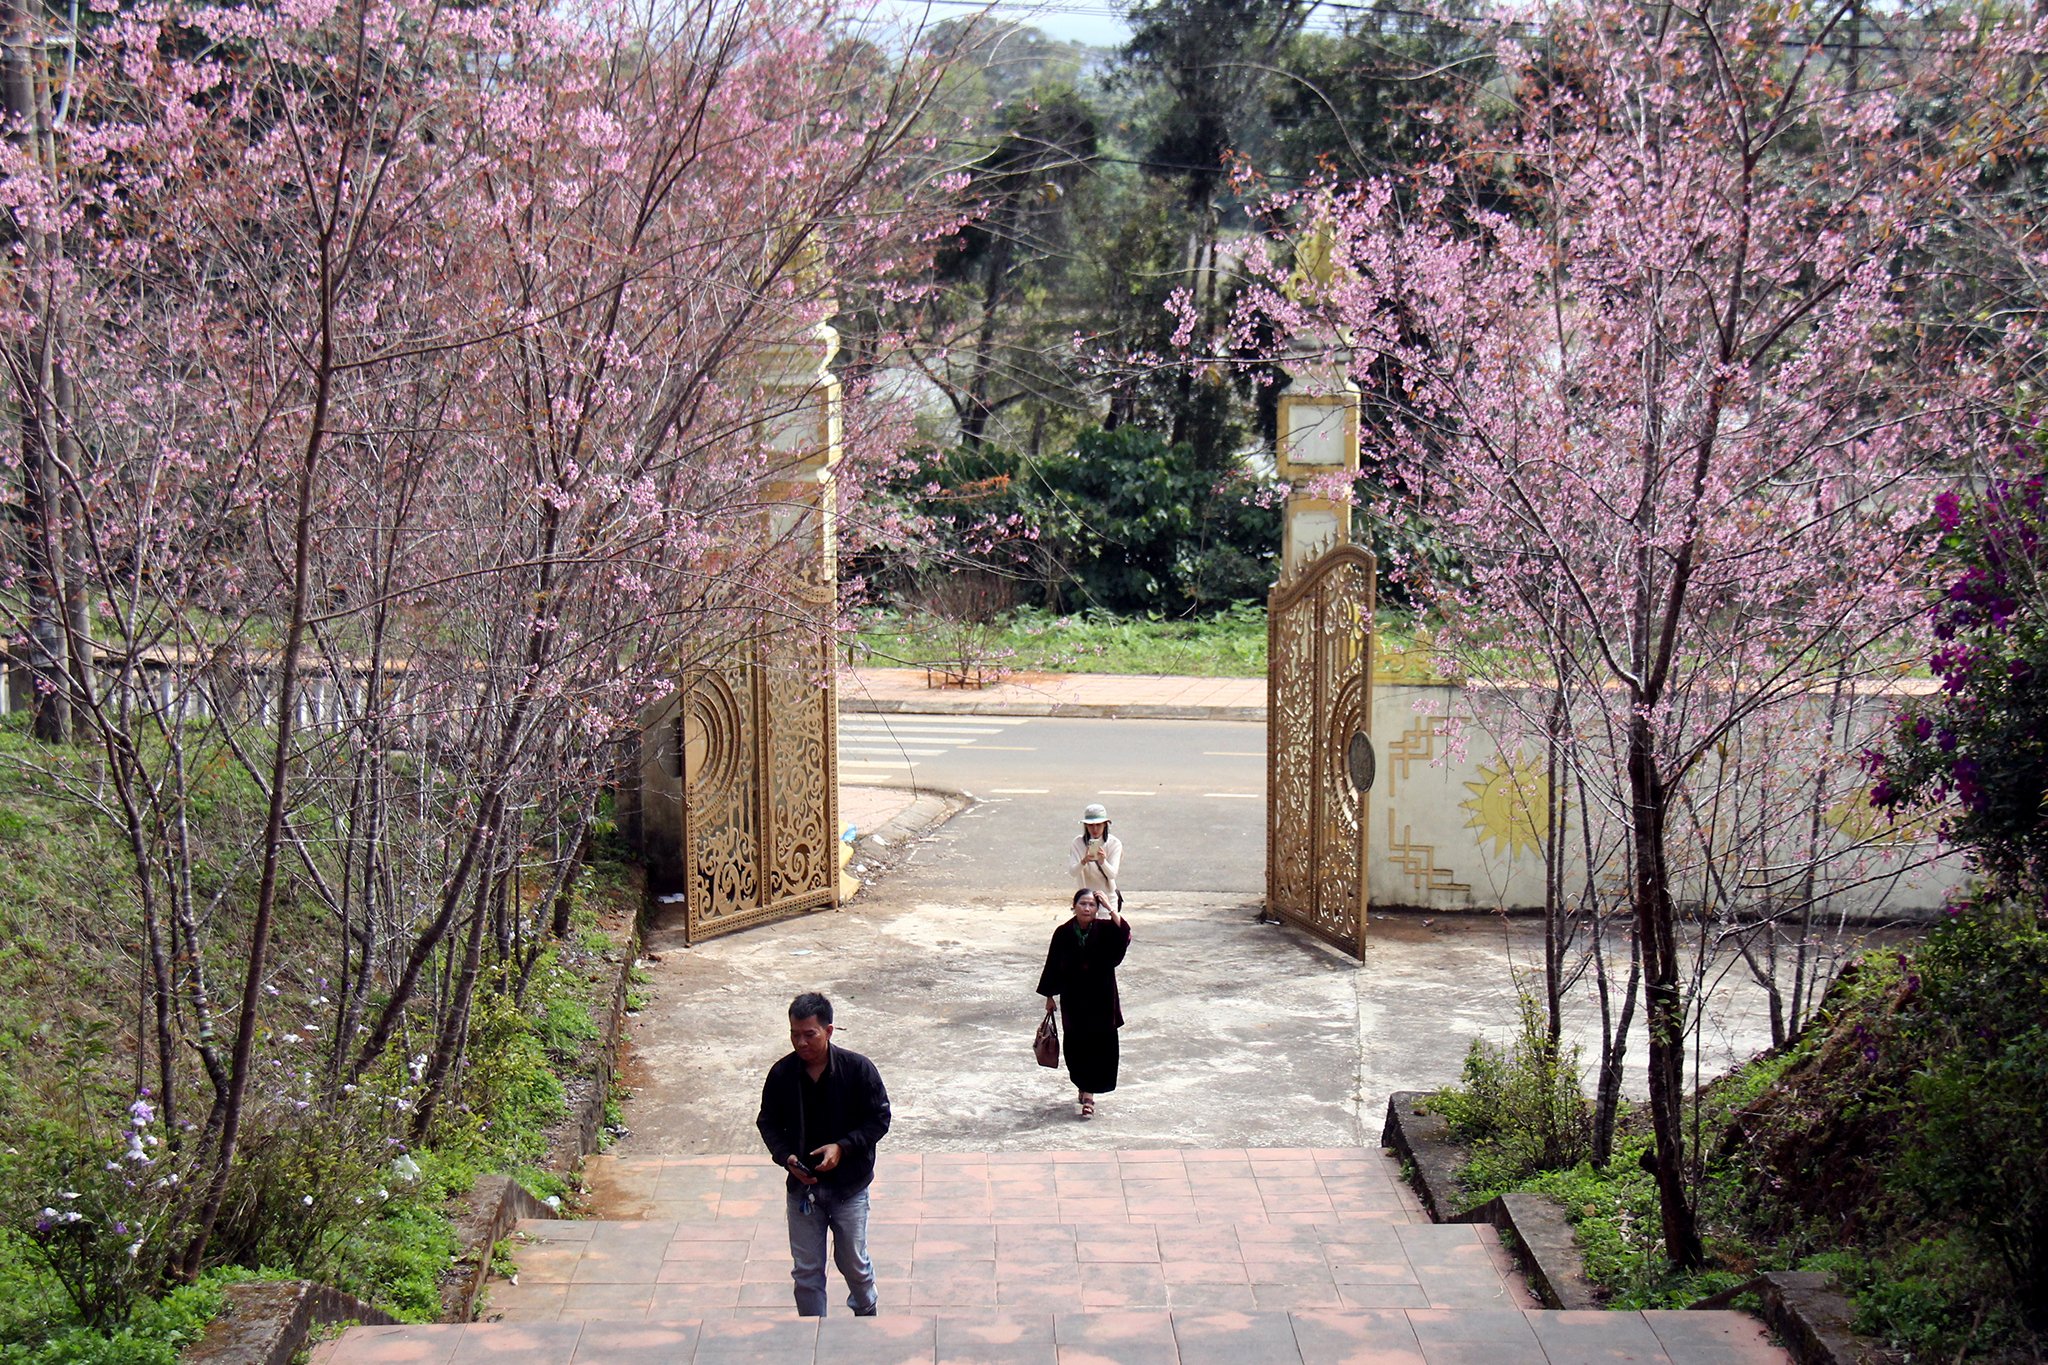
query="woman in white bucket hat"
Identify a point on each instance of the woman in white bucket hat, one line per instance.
(1096, 855)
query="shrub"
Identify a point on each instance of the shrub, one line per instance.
(97, 1207)
(1520, 1107)
(1978, 1148)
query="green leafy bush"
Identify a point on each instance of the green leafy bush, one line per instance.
(1519, 1107)
(1977, 1151)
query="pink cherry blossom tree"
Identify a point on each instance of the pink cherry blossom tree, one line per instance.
(1661, 396)
(415, 432)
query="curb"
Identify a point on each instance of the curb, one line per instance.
(929, 810)
(1421, 1140)
(1059, 710)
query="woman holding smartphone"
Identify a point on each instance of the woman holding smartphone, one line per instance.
(1080, 969)
(1096, 855)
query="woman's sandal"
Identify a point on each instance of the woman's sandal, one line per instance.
(1088, 1107)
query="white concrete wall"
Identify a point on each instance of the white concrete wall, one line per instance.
(1456, 818)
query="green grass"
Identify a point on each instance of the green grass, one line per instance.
(1231, 644)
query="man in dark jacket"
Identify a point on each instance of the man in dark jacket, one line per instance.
(823, 1110)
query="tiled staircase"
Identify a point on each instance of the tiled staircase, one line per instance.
(1042, 1258)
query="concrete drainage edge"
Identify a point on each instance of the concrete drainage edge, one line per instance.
(1812, 1316)
(267, 1323)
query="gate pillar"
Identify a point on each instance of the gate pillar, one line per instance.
(1319, 621)
(754, 732)
(1318, 451)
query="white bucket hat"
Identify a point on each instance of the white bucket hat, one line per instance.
(1095, 815)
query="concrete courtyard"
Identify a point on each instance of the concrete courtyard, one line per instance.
(1240, 1034)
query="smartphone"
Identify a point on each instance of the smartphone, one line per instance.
(807, 1165)
(1093, 844)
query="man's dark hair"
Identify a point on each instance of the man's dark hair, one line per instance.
(811, 1005)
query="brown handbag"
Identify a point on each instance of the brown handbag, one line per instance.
(1045, 1044)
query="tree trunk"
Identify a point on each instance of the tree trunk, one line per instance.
(1555, 933)
(455, 1013)
(1656, 931)
(34, 397)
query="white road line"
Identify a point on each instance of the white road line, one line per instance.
(1234, 796)
(1233, 753)
(885, 749)
(1003, 748)
(1021, 791)
(921, 718)
(878, 763)
(920, 731)
(1106, 792)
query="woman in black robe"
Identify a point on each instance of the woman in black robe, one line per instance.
(1080, 968)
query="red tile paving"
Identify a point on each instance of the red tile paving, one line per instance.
(1057, 1258)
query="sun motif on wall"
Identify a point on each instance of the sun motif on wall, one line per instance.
(1507, 804)
(1855, 818)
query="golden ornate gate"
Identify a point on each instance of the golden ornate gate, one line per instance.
(1318, 751)
(758, 740)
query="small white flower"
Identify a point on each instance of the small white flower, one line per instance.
(289, 1038)
(307, 1200)
(135, 1248)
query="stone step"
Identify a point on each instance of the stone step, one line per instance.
(1196, 1186)
(1236, 1257)
(1497, 1336)
(670, 1269)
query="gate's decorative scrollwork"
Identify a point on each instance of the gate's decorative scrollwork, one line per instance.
(1319, 707)
(759, 743)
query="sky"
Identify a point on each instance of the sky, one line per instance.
(1095, 22)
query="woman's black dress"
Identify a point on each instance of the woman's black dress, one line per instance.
(1080, 968)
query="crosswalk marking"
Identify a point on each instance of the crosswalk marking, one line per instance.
(1233, 796)
(871, 744)
(1107, 792)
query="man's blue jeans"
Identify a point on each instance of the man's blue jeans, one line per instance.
(811, 1212)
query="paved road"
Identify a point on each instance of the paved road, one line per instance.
(1187, 797)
